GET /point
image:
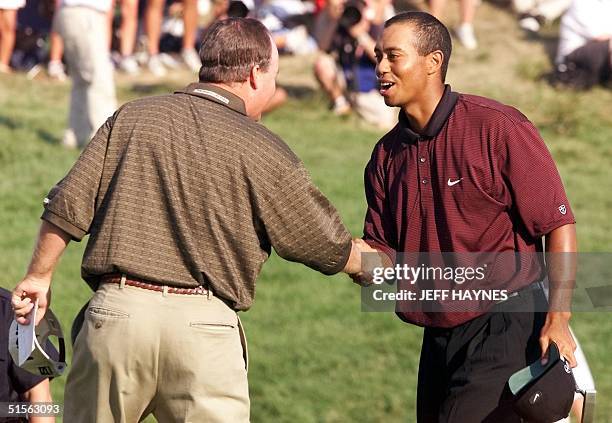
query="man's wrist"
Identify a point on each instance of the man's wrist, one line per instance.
(42, 280)
(559, 316)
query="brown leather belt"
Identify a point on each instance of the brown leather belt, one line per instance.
(144, 284)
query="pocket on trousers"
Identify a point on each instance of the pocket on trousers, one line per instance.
(106, 313)
(213, 327)
(245, 347)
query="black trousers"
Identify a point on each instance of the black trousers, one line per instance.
(464, 370)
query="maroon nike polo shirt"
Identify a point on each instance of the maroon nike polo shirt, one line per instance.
(478, 179)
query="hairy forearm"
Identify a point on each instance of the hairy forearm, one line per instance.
(50, 245)
(34, 288)
(561, 248)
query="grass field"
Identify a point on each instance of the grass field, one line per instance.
(314, 356)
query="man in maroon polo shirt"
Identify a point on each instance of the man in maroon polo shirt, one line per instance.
(465, 174)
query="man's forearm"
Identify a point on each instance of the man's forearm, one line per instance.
(35, 286)
(51, 243)
(561, 248)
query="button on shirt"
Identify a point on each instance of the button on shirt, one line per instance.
(478, 179)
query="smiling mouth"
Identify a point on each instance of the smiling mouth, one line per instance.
(385, 86)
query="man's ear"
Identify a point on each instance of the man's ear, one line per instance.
(254, 76)
(434, 62)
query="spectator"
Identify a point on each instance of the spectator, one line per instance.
(584, 52)
(238, 9)
(465, 31)
(17, 384)
(153, 21)
(287, 20)
(55, 67)
(127, 41)
(346, 71)
(83, 25)
(534, 13)
(8, 26)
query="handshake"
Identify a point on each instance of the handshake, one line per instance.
(363, 260)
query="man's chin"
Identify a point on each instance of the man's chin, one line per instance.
(389, 102)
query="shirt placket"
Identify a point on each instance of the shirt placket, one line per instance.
(424, 174)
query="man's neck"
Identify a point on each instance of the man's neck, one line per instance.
(235, 89)
(420, 111)
(240, 89)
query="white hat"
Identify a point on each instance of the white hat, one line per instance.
(26, 345)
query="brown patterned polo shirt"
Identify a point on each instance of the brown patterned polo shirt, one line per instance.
(186, 190)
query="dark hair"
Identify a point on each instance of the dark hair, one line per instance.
(351, 15)
(430, 35)
(237, 9)
(231, 47)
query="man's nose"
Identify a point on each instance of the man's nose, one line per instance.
(382, 67)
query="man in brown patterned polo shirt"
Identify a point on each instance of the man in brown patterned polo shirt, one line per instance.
(183, 196)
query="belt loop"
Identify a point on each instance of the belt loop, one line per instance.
(122, 283)
(165, 291)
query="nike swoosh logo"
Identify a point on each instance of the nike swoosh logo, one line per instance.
(451, 183)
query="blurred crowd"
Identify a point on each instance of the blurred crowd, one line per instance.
(89, 39)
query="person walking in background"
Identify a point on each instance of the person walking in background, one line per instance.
(84, 28)
(465, 174)
(8, 27)
(183, 197)
(465, 31)
(153, 21)
(127, 36)
(55, 67)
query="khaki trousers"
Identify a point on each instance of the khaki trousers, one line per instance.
(92, 100)
(181, 358)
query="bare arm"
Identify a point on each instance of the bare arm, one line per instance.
(360, 32)
(50, 245)
(561, 278)
(40, 393)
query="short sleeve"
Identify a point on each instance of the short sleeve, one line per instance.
(535, 192)
(70, 205)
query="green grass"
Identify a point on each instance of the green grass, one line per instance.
(314, 356)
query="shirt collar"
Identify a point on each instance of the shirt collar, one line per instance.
(215, 93)
(436, 122)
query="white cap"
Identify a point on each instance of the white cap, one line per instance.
(26, 345)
